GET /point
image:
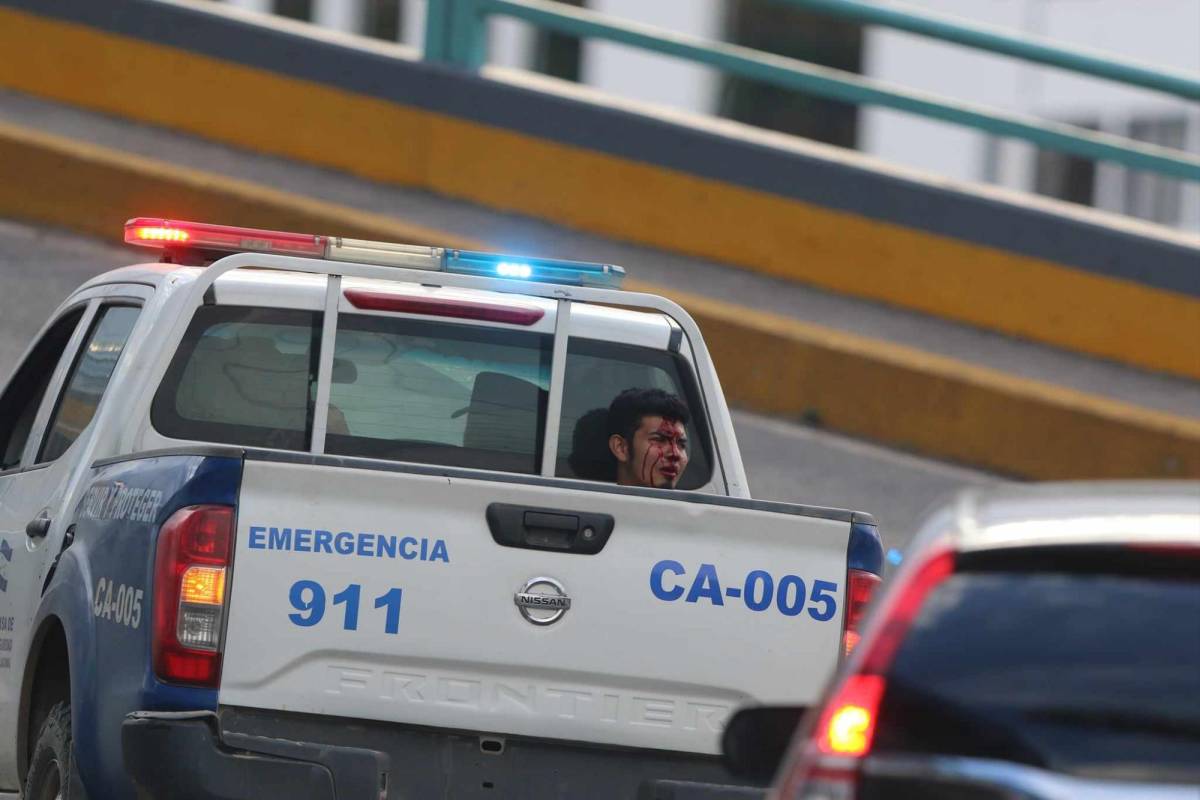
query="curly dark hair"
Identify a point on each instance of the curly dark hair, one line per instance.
(630, 406)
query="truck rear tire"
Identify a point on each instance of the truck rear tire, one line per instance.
(52, 773)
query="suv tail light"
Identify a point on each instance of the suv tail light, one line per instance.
(190, 568)
(827, 768)
(847, 724)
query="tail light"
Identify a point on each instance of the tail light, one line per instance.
(827, 768)
(190, 568)
(860, 588)
(847, 724)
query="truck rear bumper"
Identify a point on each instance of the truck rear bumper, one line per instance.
(433, 762)
(183, 756)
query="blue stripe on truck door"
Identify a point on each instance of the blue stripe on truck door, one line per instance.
(102, 591)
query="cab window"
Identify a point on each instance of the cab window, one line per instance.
(88, 378)
(21, 399)
(439, 393)
(596, 373)
(402, 389)
(422, 391)
(242, 376)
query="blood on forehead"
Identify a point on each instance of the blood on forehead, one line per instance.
(671, 428)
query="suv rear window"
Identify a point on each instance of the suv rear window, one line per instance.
(407, 390)
(1095, 674)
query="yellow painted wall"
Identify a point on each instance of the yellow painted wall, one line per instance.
(600, 193)
(853, 384)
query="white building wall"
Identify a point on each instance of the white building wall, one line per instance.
(264, 6)
(511, 43)
(913, 62)
(623, 71)
(1159, 33)
(341, 15)
(640, 75)
(412, 23)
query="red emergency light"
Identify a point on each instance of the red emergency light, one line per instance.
(172, 234)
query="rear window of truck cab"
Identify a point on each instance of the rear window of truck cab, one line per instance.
(403, 389)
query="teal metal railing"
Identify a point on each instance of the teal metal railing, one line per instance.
(456, 34)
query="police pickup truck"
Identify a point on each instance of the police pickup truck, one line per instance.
(298, 516)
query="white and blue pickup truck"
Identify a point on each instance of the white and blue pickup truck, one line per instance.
(297, 516)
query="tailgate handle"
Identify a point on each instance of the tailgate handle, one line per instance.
(549, 528)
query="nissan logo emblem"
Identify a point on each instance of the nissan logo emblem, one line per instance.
(542, 601)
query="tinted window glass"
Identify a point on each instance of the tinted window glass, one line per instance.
(89, 378)
(242, 376)
(410, 390)
(596, 373)
(1086, 673)
(23, 396)
(439, 393)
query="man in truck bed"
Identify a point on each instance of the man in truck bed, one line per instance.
(648, 437)
(296, 516)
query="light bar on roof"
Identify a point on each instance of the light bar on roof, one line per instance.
(391, 255)
(177, 235)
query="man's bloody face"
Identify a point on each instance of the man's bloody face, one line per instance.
(656, 457)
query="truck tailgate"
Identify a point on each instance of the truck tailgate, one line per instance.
(382, 594)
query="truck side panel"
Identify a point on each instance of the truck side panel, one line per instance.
(102, 591)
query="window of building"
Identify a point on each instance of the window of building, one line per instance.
(1065, 176)
(557, 54)
(295, 9)
(383, 19)
(1147, 195)
(809, 37)
(1137, 193)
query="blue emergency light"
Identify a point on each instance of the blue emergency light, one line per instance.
(542, 270)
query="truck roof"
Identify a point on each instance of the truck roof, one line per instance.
(1069, 513)
(274, 288)
(235, 269)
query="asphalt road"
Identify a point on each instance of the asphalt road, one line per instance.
(789, 462)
